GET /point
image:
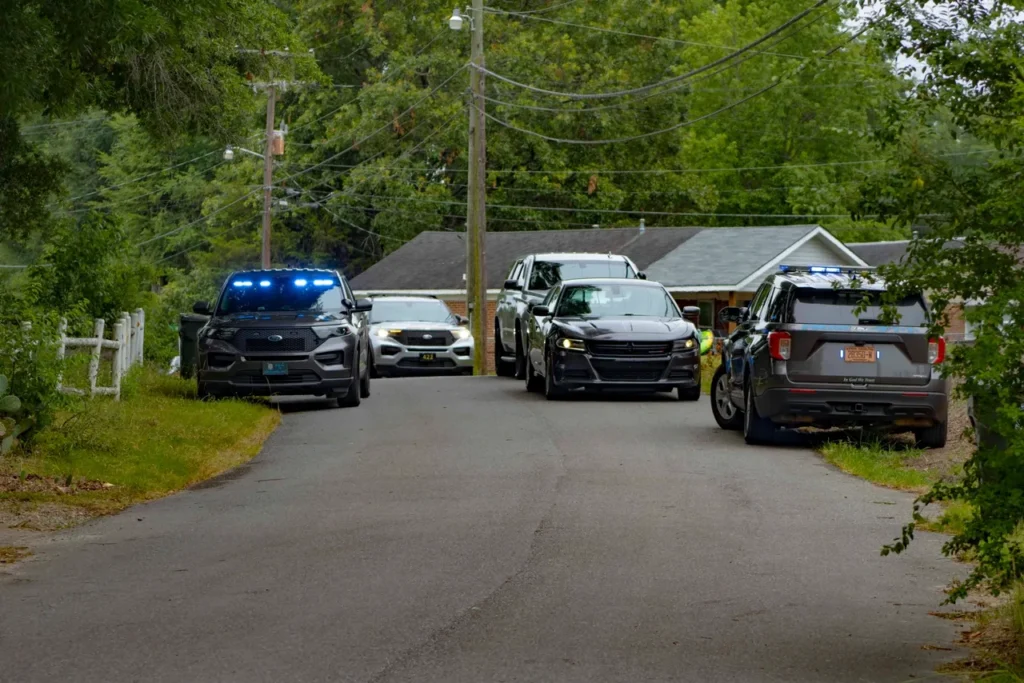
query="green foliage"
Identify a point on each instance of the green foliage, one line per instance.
(29, 373)
(974, 75)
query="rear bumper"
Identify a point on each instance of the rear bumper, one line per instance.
(575, 370)
(834, 406)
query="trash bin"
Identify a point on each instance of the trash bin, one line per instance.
(188, 338)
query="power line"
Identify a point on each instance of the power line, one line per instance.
(158, 190)
(197, 221)
(143, 177)
(669, 81)
(552, 8)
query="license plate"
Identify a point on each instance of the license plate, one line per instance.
(275, 368)
(428, 356)
(860, 354)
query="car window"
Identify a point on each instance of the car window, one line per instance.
(776, 310)
(517, 271)
(758, 302)
(552, 296)
(265, 292)
(841, 307)
(614, 300)
(546, 274)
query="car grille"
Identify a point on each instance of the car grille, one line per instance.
(295, 340)
(621, 349)
(629, 372)
(416, 363)
(418, 338)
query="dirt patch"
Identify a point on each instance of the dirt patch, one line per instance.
(9, 554)
(41, 516)
(33, 483)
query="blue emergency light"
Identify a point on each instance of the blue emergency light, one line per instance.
(242, 283)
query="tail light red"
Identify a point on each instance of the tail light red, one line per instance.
(779, 345)
(936, 350)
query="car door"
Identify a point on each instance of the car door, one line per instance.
(537, 329)
(360, 322)
(741, 340)
(505, 303)
(515, 306)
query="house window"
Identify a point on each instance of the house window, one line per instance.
(707, 313)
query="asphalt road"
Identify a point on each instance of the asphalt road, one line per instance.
(461, 530)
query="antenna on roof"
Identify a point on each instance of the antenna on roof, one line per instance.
(643, 226)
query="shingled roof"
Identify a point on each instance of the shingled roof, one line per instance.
(685, 258)
(882, 253)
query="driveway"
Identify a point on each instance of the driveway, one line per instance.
(462, 530)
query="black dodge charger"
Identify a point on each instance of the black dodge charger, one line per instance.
(611, 334)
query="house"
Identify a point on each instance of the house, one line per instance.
(706, 267)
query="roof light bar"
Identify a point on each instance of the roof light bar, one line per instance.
(323, 283)
(264, 283)
(301, 283)
(242, 283)
(829, 270)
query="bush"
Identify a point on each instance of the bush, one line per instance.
(28, 361)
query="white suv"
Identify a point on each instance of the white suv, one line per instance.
(418, 335)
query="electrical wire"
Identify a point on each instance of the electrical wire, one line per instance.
(552, 8)
(143, 177)
(669, 81)
(197, 221)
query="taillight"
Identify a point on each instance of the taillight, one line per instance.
(936, 350)
(779, 345)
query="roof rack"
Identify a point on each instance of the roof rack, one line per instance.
(825, 270)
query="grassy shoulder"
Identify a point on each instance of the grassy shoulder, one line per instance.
(102, 456)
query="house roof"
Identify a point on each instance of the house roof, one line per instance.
(883, 253)
(686, 258)
(437, 260)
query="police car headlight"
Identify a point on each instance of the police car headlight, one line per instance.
(382, 333)
(682, 345)
(326, 332)
(460, 333)
(222, 333)
(568, 344)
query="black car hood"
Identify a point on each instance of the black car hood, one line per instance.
(276, 319)
(627, 327)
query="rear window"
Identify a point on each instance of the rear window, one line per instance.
(842, 307)
(547, 274)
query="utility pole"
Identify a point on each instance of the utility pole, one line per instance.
(476, 277)
(268, 175)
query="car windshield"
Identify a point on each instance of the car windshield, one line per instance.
(547, 274)
(385, 311)
(842, 307)
(612, 300)
(276, 292)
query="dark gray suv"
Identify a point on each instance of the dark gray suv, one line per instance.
(802, 355)
(289, 331)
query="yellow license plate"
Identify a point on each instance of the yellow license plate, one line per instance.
(860, 354)
(427, 356)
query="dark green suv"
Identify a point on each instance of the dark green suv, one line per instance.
(289, 331)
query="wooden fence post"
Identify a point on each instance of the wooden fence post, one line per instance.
(97, 351)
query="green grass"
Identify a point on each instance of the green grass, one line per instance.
(708, 365)
(879, 464)
(158, 439)
(952, 520)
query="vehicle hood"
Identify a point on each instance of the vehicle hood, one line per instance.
(276, 320)
(627, 328)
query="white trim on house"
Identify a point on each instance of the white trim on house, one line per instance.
(439, 293)
(759, 275)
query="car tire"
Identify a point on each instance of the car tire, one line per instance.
(534, 382)
(688, 393)
(364, 383)
(374, 374)
(727, 415)
(520, 365)
(552, 391)
(756, 429)
(932, 437)
(353, 397)
(502, 368)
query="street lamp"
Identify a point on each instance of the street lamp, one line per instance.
(229, 153)
(476, 197)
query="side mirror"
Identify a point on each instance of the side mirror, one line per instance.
(202, 308)
(732, 314)
(513, 285)
(461, 319)
(692, 313)
(363, 306)
(541, 311)
(641, 275)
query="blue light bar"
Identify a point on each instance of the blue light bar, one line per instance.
(826, 269)
(301, 283)
(242, 283)
(264, 283)
(323, 283)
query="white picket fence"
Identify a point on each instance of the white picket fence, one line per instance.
(127, 343)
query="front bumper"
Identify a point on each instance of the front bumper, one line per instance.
(575, 369)
(392, 359)
(325, 370)
(900, 407)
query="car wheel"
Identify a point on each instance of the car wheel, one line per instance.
(688, 393)
(364, 383)
(756, 429)
(373, 368)
(552, 391)
(727, 415)
(932, 437)
(520, 366)
(354, 397)
(534, 382)
(502, 368)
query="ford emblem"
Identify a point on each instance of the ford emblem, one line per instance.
(428, 336)
(275, 338)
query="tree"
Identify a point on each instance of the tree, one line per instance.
(973, 65)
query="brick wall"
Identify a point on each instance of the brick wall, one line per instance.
(458, 307)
